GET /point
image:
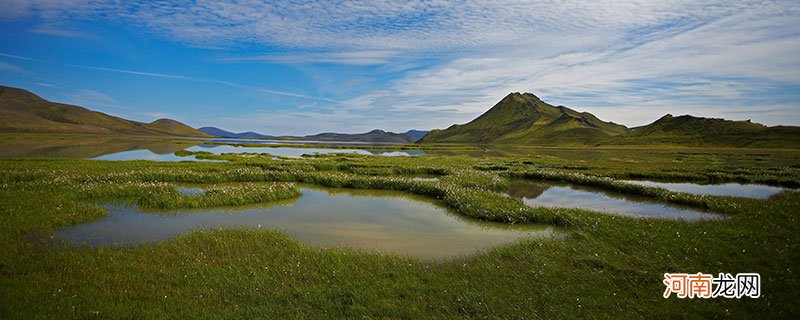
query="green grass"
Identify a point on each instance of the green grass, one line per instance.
(159, 195)
(604, 267)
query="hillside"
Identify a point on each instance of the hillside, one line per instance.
(522, 118)
(217, 132)
(416, 134)
(23, 111)
(372, 136)
(688, 130)
(376, 135)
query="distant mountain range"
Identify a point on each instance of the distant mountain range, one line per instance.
(217, 132)
(524, 119)
(23, 111)
(376, 135)
(518, 119)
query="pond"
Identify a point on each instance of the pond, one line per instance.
(146, 155)
(268, 141)
(220, 149)
(548, 194)
(384, 221)
(726, 189)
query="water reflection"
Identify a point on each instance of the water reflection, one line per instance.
(373, 220)
(146, 155)
(62, 146)
(296, 152)
(726, 189)
(190, 191)
(548, 194)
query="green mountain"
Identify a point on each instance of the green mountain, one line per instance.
(23, 111)
(688, 130)
(522, 118)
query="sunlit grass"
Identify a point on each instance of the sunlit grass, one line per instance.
(606, 266)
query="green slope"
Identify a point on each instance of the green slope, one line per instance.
(522, 118)
(23, 111)
(688, 130)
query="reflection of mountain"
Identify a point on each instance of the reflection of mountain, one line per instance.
(18, 146)
(397, 153)
(374, 136)
(526, 189)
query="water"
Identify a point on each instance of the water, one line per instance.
(220, 149)
(296, 152)
(267, 141)
(362, 219)
(548, 194)
(191, 191)
(726, 189)
(146, 155)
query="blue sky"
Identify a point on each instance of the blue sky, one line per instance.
(302, 67)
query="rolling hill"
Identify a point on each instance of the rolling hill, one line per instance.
(690, 131)
(372, 136)
(217, 132)
(416, 134)
(376, 135)
(23, 111)
(522, 118)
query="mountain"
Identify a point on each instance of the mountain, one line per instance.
(372, 136)
(688, 130)
(376, 135)
(23, 111)
(416, 134)
(217, 132)
(522, 118)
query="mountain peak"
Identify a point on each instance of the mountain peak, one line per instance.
(12, 93)
(524, 118)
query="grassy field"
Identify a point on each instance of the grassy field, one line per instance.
(605, 266)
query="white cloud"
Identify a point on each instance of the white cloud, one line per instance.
(626, 61)
(10, 67)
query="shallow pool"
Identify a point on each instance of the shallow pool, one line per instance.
(384, 221)
(725, 189)
(547, 194)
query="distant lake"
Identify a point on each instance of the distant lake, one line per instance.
(267, 141)
(296, 152)
(155, 149)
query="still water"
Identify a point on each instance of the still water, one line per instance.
(726, 189)
(547, 194)
(384, 221)
(296, 152)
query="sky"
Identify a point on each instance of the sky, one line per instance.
(304, 67)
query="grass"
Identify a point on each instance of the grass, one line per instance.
(605, 266)
(159, 195)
